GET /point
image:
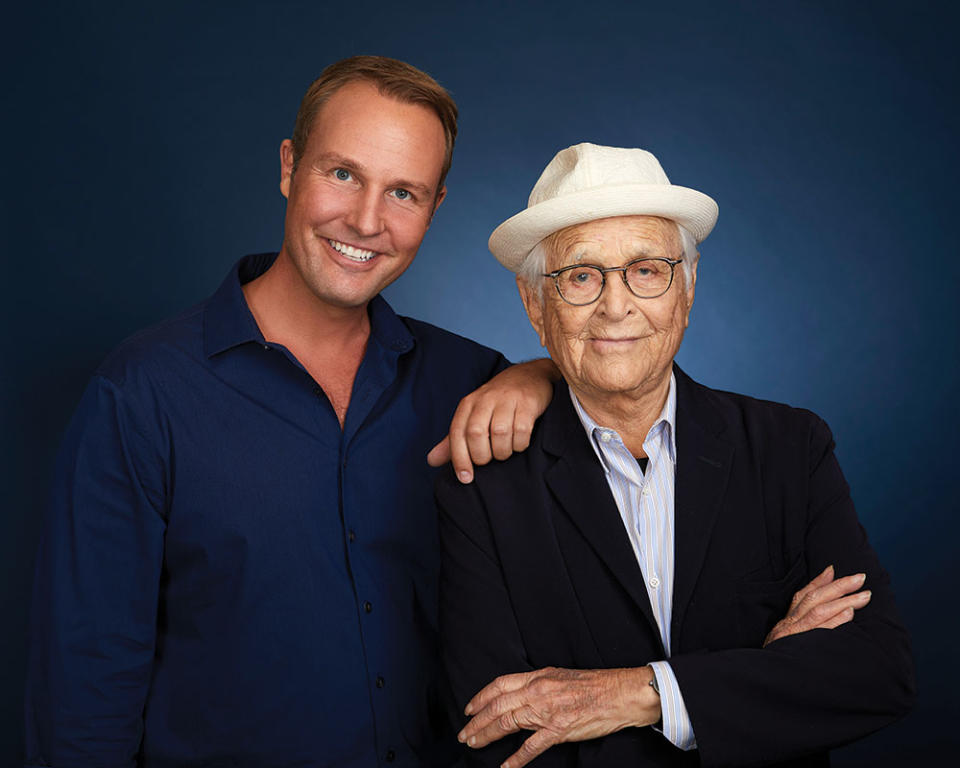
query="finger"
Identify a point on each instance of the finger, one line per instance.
(478, 433)
(507, 713)
(832, 591)
(501, 430)
(440, 453)
(496, 688)
(825, 577)
(523, 420)
(824, 613)
(534, 746)
(509, 721)
(459, 450)
(841, 618)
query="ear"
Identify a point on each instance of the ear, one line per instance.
(691, 289)
(436, 203)
(534, 306)
(286, 167)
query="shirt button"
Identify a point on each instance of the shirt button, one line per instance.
(352, 536)
(646, 490)
(605, 437)
(654, 582)
(391, 755)
(317, 391)
(368, 606)
(380, 682)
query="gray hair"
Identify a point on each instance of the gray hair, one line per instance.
(535, 264)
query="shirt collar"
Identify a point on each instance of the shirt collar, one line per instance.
(228, 322)
(665, 422)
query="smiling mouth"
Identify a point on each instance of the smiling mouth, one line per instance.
(354, 254)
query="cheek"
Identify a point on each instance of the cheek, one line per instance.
(564, 336)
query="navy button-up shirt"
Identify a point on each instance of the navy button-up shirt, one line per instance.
(228, 578)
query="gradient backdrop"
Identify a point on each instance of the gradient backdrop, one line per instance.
(141, 155)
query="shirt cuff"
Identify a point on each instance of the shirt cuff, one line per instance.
(675, 722)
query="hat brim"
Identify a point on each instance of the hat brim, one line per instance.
(515, 238)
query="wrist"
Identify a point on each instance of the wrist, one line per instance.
(643, 699)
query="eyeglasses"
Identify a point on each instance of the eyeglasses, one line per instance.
(582, 284)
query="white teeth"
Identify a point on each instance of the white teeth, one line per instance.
(354, 254)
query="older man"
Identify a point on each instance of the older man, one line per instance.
(630, 569)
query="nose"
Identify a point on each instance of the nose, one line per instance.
(365, 216)
(616, 301)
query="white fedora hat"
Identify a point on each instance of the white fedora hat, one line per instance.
(587, 182)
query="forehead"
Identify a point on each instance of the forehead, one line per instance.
(360, 123)
(616, 240)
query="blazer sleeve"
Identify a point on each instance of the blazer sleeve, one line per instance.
(815, 690)
(479, 635)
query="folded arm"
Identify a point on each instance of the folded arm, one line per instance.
(564, 705)
(834, 668)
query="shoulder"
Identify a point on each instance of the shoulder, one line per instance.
(156, 352)
(449, 360)
(762, 423)
(436, 339)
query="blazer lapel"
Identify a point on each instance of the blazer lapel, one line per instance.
(580, 489)
(702, 472)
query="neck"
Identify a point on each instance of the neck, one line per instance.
(328, 341)
(287, 312)
(631, 414)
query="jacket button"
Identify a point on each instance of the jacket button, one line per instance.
(380, 682)
(391, 755)
(368, 606)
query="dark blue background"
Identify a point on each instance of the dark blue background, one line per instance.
(141, 159)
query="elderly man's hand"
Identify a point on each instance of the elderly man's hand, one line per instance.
(825, 603)
(560, 705)
(496, 419)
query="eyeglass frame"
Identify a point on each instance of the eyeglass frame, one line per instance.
(603, 277)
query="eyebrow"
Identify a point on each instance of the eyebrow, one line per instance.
(352, 165)
(642, 252)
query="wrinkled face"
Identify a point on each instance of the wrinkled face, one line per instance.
(363, 194)
(620, 343)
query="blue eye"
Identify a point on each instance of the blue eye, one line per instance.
(342, 174)
(401, 194)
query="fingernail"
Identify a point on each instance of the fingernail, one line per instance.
(472, 740)
(465, 477)
(468, 710)
(461, 737)
(864, 597)
(861, 577)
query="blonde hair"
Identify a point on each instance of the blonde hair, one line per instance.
(393, 78)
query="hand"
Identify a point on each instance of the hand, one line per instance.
(496, 419)
(825, 603)
(560, 705)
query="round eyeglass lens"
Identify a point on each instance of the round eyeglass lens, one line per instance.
(649, 278)
(580, 285)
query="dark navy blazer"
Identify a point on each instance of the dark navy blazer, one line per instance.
(538, 571)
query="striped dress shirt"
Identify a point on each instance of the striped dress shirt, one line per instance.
(645, 501)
